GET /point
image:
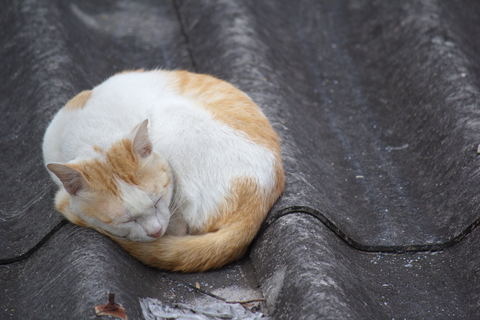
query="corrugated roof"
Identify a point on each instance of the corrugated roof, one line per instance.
(376, 103)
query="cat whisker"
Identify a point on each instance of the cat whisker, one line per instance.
(174, 219)
(175, 204)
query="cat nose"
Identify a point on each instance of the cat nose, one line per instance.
(156, 234)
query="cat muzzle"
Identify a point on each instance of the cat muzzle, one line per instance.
(156, 234)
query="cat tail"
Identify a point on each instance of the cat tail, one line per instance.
(226, 240)
(192, 253)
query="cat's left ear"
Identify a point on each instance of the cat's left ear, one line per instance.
(142, 145)
(72, 179)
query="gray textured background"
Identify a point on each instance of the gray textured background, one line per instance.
(377, 105)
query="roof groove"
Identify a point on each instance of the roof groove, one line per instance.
(432, 247)
(25, 255)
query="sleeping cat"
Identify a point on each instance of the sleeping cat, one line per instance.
(178, 168)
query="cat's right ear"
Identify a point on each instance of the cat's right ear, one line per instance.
(142, 145)
(72, 179)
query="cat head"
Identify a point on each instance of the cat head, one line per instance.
(125, 191)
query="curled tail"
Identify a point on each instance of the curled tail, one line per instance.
(191, 253)
(225, 239)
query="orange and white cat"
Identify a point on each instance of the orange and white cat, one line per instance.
(178, 168)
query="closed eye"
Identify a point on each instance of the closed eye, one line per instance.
(115, 236)
(156, 203)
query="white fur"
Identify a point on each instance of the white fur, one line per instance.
(205, 154)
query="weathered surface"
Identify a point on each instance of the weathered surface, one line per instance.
(377, 105)
(315, 275)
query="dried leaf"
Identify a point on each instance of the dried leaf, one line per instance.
(111, 308)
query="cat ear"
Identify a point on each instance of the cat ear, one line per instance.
(142, 145)
(72, 179)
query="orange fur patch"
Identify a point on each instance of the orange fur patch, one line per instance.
(62, 204)
(79, 101)
(99, 176)
(228, 105)
(119, 162)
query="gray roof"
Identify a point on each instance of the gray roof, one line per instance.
(377, 105)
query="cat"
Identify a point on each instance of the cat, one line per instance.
(178, 168)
